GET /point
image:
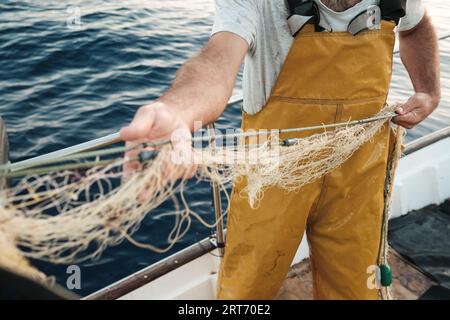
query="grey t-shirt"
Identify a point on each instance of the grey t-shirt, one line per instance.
(263, 24)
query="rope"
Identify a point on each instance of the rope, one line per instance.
(385, 270)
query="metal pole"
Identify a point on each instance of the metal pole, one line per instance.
(217, 200)
(86, 146)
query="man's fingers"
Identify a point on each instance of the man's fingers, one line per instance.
(405, 125)
(182, 151)
(140, 127)
(407, 107)
(411, 117)
(129, 168)
(131, 164)
(190, 172)
(408, 114)
(408, 120)
(128, 133)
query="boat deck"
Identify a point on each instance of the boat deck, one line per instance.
(408, 283)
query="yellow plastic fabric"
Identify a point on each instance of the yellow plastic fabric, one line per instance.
(327, 78)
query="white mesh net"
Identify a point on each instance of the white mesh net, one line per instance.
(72, 215)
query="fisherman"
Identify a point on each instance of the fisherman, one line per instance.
(306, 63)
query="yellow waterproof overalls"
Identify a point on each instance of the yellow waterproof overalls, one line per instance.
(327, 78)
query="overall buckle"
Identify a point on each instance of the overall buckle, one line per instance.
(369, 19)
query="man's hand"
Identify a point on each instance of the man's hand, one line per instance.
(157, 122)
(415, 110)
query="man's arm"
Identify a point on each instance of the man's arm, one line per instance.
(200, 91)
(419, 51)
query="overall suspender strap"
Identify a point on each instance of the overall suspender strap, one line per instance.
(393, 9)
(302, 12)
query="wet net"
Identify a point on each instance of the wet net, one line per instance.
(72, 209)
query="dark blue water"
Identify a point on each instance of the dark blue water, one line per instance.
(62, 83)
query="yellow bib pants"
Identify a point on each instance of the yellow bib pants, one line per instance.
(327, 78)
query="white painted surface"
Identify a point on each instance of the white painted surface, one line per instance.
(195, 280)
(423, 178)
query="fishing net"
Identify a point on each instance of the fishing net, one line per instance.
(73, 209)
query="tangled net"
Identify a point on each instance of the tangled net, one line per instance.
(73, 215)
